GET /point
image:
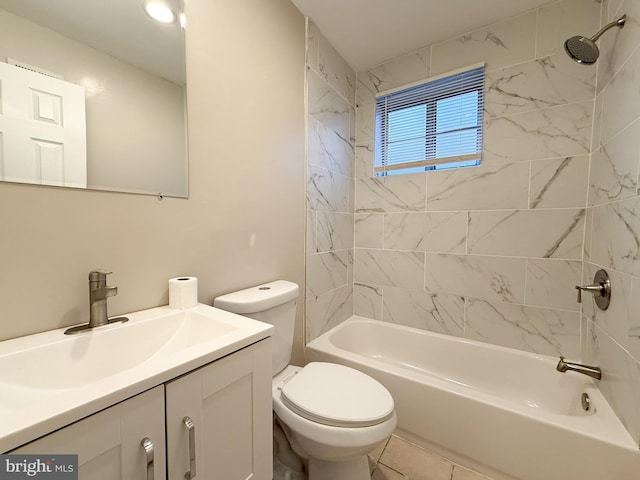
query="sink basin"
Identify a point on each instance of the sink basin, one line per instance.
(69, 362)
(49, 379)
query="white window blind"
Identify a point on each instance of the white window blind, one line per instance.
(436, 124)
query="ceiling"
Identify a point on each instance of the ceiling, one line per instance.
(365, 32)
(369, 32)
(119, 28)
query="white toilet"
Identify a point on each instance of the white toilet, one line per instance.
(332, 415)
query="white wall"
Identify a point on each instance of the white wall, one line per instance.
(243, 223)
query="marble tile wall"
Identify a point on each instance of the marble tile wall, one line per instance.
(330, 192)
(492, 252)
(612, 239)
(502, 245)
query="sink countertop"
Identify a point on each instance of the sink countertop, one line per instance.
(49, 380)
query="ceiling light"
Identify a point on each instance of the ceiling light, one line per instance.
(159, 11)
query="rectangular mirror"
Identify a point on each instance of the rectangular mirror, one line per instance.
(93, 95)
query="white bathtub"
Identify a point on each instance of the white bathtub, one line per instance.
(506, 413)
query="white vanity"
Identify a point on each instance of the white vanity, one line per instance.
(167, 393)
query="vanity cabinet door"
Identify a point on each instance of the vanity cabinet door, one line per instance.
(109, 443)
(221, 413)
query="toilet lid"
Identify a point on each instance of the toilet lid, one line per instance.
(336, 395)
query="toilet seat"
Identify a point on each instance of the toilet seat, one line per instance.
(336, 395)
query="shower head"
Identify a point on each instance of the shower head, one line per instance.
(584, 50)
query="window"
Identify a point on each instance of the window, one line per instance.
(432, 125)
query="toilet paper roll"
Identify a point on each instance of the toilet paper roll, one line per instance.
(183, 292)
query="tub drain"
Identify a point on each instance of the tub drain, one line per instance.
(586, 402)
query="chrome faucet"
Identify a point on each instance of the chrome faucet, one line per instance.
(588, 370)
(98, 294)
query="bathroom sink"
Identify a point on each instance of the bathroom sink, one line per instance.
(69, 362)
(51, 379)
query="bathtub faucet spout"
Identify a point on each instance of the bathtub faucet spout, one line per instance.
(588, 370)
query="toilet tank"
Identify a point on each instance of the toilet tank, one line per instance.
(273, 303)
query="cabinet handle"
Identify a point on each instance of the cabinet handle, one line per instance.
(148, 448)
(191, 428)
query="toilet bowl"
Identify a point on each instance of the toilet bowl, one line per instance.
(331, 415)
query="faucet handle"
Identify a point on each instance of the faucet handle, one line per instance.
(98, 275)
(601, 289)
(598, 289)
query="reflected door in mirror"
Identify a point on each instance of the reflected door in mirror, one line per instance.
(42, 129)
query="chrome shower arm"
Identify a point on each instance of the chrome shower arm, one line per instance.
(616, 23)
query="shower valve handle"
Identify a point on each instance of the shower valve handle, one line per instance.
(601, 289)
(598, 289)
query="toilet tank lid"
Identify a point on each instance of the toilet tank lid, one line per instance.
(258, 298)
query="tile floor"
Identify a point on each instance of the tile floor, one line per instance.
(399, 459)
